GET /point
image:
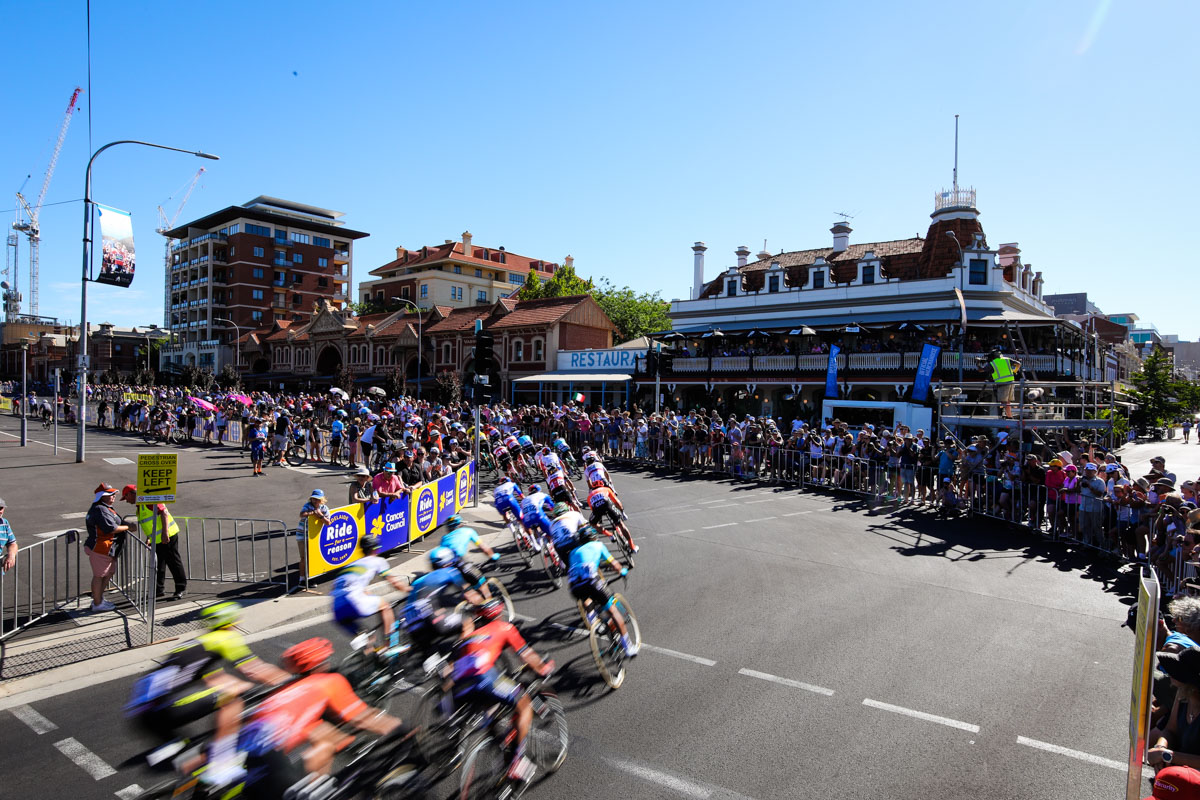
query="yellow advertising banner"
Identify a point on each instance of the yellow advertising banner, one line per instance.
(137, 397)
(6, 404)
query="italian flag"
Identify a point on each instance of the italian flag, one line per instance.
(578, 397)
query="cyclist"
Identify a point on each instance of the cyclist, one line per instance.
(604, 503)
(508, 495)
(549, 462)
(194, 682)
(528, 448)
(565, 525)
(477, 680)
(595, 472)
(432, 597)
(561, 490)
(533, 511)
(352, 604)
(459, 540)
(337, 430)
(296, 715)
(588, 584)
(504, 459)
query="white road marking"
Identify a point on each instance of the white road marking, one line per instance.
(722, 525)
(797, 513)
(31, 440)
(764, 500)
(569, 629)
(36, 722)
(85, 759)
(51, 534)
(1066, 751)
(908, 712)
(676, 654)
(727, 505)
(672, 533)
(761, 519)
(679, 785)
(116, 462)
(718, 500)
(808, 687)
(73, 515)
(129, 792)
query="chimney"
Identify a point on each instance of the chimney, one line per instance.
(466, 239)
(743, 254)
(569, 262)
(698, 269)
(400, 251)
(841, 236)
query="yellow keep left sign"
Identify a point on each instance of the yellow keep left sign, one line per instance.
(157, 474)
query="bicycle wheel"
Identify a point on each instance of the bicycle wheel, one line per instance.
(607, 651)
(631, 623)
(548, 737)
(433, 735)
(623, 545)
(484, 771)
(295, 455)
(550, 565)
(149, 437)
(522, 542)
(500, 593)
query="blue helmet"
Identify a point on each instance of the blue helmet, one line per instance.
(454, 521)
(441, 557)
(534, 489)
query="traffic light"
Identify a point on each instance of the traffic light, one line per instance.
(485, 358)
(666, 361)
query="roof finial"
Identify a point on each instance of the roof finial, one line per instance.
(956, 153)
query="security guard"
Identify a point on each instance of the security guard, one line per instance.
(1004, 375)
(166, 547)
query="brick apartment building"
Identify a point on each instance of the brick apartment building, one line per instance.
(252, 265)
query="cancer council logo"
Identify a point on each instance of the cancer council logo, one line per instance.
(426, 508)
(339, 538)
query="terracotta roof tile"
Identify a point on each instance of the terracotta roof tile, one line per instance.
(460, 319)
(538, 312)
(480, 256)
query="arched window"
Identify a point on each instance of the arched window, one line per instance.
(518, 350)
(379, 359)
(447, 352)
(539, 348)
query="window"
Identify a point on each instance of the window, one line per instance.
(819, 279)
(404, 292)
(446, 350)
(518, 350)
(116, 348)
(478, 273)
(323, 282)
(300, 238)
(281, 236)
(322, 262)
(456, 293)
(978, 275)
(481, 296)
(256, 294)
(256, 316)
(280, 300)
(424, 290)
(280, 257)
(869, 274)
(320, 241)
(297, 258)
(297, 279)
(296, 299)
(259, 252)
(731, 287)
(259, 272)
(773, 283)
(514, 277)
(538, 350)
(258, 230)
(232, 229)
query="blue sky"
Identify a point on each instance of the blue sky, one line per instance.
(621, 133)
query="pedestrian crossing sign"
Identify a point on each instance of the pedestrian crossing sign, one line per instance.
(156, 477)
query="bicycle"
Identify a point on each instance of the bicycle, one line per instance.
(623, 541)
(604, 637)
(498, 592)
(552, 564)
(526, 546)
(296, 454)
(339, 459)
(155, 436)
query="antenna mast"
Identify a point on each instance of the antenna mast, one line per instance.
(956, 155)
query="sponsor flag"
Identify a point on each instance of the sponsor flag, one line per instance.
(925, 367)
(831, 387)
(116, 246)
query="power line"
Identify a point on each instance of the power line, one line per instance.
(59, 203)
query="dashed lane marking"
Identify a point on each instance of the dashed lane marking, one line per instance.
(675, 783)
(674, 533)
(707, 662)
(808, 687)
(50, 534)
(1066, 751)
(36, 722)
(727, 505)
(764, 500)
(85, 759)
(73, 515)
(129, 792)
(797, 513)
(908, 712)
(722, 525)
(718, 500)
(761, 519)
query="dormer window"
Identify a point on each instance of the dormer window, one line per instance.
(868, 273)
(978, 276)
(731, 287)
(819, 279)
(773, 283)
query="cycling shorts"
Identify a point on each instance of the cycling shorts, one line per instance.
(487, 689)
(351, 608)
(187, 704)
(595, 589)
(536, 522)
(529, 450)
(561, 494)
(605, 511)
(471, 572)
(508, 504)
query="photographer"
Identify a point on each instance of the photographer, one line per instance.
(1003, 373)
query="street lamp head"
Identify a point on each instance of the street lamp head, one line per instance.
(951, 235)
(208, 156)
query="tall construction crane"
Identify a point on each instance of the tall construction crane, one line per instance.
(165, 224)
(27, 214)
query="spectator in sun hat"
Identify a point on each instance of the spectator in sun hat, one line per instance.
(1159, 463)
(1178, 744)
(105, 535)
(314, 507)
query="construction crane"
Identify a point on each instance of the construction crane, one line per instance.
(27, 214)
(165, 224)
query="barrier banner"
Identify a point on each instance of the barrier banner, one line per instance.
(6, 404)
(396, 521)
(831, 387)
(137, 397)
(1145, 632)
(925, 367)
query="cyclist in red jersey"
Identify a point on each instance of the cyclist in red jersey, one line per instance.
(476, 678)
(604, 503)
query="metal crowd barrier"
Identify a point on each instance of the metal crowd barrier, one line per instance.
(47, 578)
(238, 550)
(134, 577)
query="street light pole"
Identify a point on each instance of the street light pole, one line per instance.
(416, 308)
(24, 394)
(87, 259)
(237, 343)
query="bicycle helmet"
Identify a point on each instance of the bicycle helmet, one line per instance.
(454, 521)
(587, 533)
(307, 656)
(534, 489)
(589, 457)
(559, 509)
(441, 557)
(221, 615)
(492, 610)
(369, 544)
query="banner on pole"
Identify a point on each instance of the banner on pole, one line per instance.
(831, 387)
(116, 246)
(925, 368)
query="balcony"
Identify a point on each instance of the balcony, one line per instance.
(338, 296)
(341, 255)
(281, 262)
(213, 237)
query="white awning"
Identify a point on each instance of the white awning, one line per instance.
(576, 377)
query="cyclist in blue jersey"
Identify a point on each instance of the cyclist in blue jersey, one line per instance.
(352, 604)
(431, 600)
(337, 431)
(588, 584)
(459, 540)
(508, 496)
(533, 511)
(526, 443)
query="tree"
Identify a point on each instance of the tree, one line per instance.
(563, 283)
(229, 378)
(1157, 392)
(634, 314)
(344, 378)
(144, 377)
(532, 288)
(449, 387)
(395, 382)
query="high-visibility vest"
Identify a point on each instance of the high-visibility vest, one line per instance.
(147, 525)
(1002, 371)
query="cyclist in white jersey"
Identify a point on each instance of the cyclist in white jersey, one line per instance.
(550, 463)
(352, 603)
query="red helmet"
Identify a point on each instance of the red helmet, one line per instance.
(492, 610)
(308, 655)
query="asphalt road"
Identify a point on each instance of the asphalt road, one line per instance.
(799, 649)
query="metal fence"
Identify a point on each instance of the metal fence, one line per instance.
(45, 579)
(239, 550)
(134, 577)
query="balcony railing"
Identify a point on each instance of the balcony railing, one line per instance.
(880, 361)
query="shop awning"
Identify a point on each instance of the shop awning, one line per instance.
(576, 377)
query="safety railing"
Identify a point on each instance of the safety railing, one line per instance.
(239, 550)
(134, 576)
(45, 579)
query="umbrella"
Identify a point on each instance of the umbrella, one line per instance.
(241, 398)
(711, 334)
(802, 331)
(339, 392)
(755, 334)
(375, 390)
(672, 336)
(204, 404)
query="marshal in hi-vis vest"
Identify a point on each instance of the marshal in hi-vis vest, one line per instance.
(145, 518)
(1002, 371)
